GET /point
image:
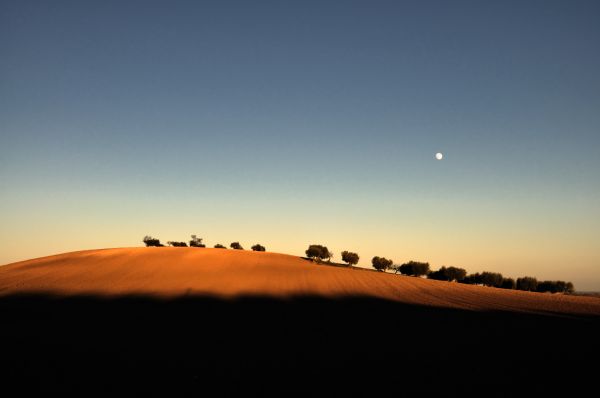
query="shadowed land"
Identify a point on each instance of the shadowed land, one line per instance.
(264, 346)
(275, 343)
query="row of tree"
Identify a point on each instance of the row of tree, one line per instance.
(492, 279)
(412, 268)
(197, 242)
(450, 274)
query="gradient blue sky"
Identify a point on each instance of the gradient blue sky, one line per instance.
(298, 122)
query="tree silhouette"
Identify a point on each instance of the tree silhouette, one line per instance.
(150, 241)
(318, 252)
(492, 279)
(570, 288)
(350, 258)
(555, 287)
(196, 242)
(455, 273)
(448, 274)
(472, 279)
(381, 263)
(527, 283)
(413, 268)
(508, 283)
(177, 244)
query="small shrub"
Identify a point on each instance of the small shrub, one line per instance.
(219, 246)
(177, 244)
(196, 242)
(236, 246)
(150, 241)
(258, 248)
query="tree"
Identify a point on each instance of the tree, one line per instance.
(414, 268)
(439, 275)
(508, 283)
(258, 248)
(546, 287)
(350, 258)
(236, 246)
(177, 244)
(491, 279)
(527, 283)
(455, 273)
(150, 241)
(219, 246)
(381, 263)
(555, 287)
(570, 288)
(448, 274)
(472, 279)
(196, 242)
(318, 252)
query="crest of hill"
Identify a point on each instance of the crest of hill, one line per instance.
(174, 272)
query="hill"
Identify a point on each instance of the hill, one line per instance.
(214, 322)
(175, 272)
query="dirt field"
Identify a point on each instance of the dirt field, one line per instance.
(176, 272)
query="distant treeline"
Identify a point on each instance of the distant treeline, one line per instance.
(492, 279)
(320, 253)
(451, 274)
(197, 242)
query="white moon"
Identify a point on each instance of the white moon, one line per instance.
(439, 156)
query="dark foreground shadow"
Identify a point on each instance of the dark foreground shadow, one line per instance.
(201, 346)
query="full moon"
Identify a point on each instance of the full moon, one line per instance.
(439, 156)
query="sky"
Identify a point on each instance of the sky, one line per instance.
(297, 122)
